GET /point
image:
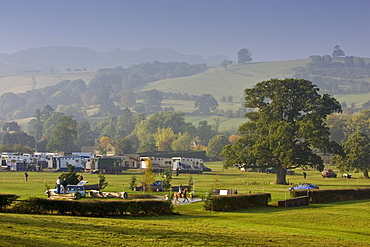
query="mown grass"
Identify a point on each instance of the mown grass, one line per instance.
(334, 224)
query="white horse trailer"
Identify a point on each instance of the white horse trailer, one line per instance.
(187, 165)
(158, 164)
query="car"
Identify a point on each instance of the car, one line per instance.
(304, 186)
(206, 169)
(70, 189)
(328, 173)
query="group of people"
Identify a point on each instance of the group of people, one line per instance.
(64, 184)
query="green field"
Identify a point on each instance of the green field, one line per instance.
(215, 80)
(20, 83)
(334, 224)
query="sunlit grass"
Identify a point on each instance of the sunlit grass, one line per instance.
(334, 224)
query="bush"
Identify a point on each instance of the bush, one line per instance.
(323, 196)
(6, 200)
(236, 202)
(93, 207)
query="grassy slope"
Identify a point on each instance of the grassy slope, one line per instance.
(21, 83)
(216, 81)
(337, 224)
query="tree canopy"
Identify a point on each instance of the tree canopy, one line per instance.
(206, 103)
(357, 154)
(244, 56)
(288, 124)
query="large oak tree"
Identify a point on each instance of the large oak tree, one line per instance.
(289, 122)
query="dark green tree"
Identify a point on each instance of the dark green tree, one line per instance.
(204, 132)
(206, 103)
(153, 101)
(64, 135)
(167, 178)
(244, 56)
(133, 183)
(102, 180)
(85, 136)
(357, 154)
(50, 123)
(125, 124)
(70, 175)
(289, 124)
(337, 52)
(20, 138)
(216, 145)
(123, 146)
(11, 126)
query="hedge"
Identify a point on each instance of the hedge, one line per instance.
(323, 196)
(94, 207)
(6, 200)
(236, 202)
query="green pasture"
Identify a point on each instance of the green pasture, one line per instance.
(219, 178)
(20, 83)
(331, 224)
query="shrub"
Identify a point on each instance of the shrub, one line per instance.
(236, 202)
(322, 196)
(6, 200)
(93, 207)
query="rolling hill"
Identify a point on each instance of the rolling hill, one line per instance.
(217, 81)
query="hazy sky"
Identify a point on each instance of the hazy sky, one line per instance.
(271, 30)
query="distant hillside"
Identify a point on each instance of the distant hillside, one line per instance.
(352, 83)
(230, 81)
(60, 58)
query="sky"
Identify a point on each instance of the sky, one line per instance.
(272, 30)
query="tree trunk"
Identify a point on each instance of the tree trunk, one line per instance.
(281, 175)
(366, 174)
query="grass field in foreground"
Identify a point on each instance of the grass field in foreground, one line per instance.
(332, 224)
(335, 224)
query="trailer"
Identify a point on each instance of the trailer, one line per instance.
(158, 164)
(187, 165)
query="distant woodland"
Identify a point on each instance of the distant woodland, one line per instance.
(129, 119)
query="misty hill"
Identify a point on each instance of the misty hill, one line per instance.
(347, 82)
(60, 58)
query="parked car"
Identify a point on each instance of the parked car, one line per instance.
(304, 186)
(70, 189)
(290, 172)
(328, 173)
(206, 169)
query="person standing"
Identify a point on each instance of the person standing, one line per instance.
(58, 185)
(26, 176)
(304, 175)
(65, 183)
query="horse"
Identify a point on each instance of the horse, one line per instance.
(177, 195)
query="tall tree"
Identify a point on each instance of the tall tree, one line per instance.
(216, 144)
(204, 132)
(164, 138)
(123, 146)
(337, 52)
(64, 135)
(206, 103)
(20, 138)
(289, 123)
(11, 126)
(85, 135)
(183, 142)
(153, 101)
(357, 154)
(244, 56)
(125, 124)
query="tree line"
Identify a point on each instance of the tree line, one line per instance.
(53, 131)
(109, 90)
